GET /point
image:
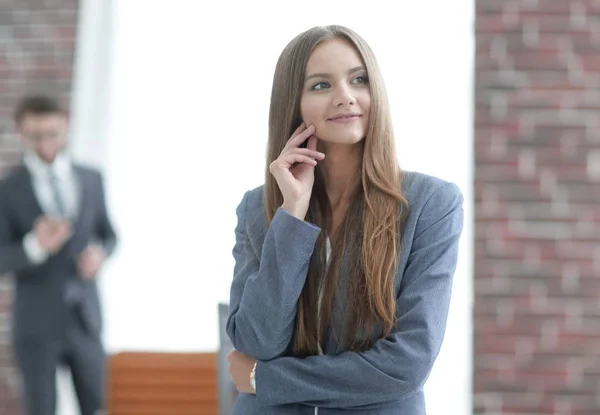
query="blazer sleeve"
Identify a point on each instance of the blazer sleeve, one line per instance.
(105, 229)
(12, 253)
(398, 365)
(265, 291)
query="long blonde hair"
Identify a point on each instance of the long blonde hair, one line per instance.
(373, 222)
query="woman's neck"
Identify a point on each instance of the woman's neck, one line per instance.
(341, 171)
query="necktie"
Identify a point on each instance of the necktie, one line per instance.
(58, 199)
(73, 292)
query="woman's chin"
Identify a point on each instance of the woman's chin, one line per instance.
(342, 140)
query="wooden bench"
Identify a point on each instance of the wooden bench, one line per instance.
(162, 384)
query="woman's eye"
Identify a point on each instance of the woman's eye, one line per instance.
(320, 85)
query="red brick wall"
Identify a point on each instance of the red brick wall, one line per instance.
(537, 189)
(36, 55)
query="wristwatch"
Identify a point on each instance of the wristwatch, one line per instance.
(253, 377)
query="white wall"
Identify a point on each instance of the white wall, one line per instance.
(187, 125)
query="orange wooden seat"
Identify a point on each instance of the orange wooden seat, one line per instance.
(162, 384)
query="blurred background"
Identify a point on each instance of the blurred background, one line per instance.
(170, 101)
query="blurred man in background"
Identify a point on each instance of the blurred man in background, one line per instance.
(54, 237)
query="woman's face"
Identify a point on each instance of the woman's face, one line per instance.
(336, 97)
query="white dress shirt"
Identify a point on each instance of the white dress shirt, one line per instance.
(68, 185)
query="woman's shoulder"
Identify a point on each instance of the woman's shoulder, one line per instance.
(251, 211)
(419, 188)
(253, 200)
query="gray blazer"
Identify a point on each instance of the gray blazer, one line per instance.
(39, 306)
(271, 264)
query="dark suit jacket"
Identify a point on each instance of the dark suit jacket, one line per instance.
(39, 307)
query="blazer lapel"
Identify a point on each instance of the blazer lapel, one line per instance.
(28, 193)
(83, 192)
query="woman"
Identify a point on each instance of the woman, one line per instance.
(340, 293)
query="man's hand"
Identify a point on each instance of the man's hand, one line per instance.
(90, 261)
(52, 234)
